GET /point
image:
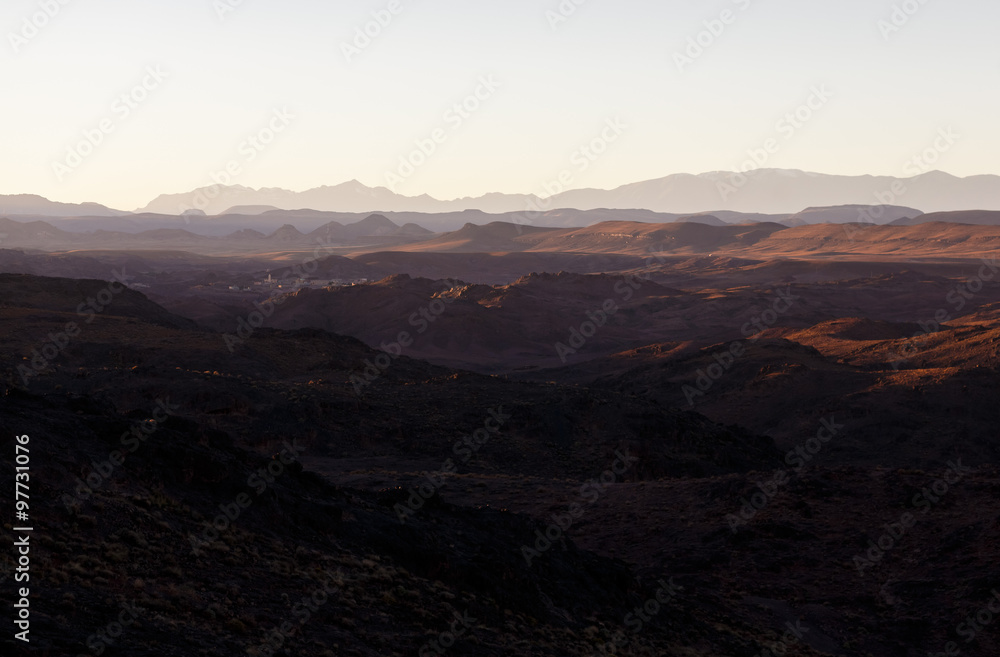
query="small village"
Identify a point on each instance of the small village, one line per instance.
(295, 283)
(287, 284)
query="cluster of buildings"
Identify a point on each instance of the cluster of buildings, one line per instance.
(288, 284)
(294, 283)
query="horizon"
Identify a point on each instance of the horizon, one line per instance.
(478, 99)
(505, 193)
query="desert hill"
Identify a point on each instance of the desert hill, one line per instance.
(972, 217)
(375, 231)
(19, 291)
(622, 237)
(938, 240)
(845, 214)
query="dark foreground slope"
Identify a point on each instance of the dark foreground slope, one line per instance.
(372, 585)
(145, 433)
(413, 504)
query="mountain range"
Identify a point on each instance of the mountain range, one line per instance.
(946, 235)
(417, 224)
(31, 204)
(770, 191)
(767, 191)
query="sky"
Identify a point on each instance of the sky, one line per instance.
(118, 101)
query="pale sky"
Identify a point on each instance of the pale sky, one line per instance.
(557, 87)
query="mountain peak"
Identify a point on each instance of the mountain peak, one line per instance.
(286, 232)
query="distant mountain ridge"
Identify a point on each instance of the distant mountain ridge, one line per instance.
(971, 217)
(413, 223)
(347, 226)
(32, 204)
(952, 235)
(43, 235)
(841, 214)
(767, 191)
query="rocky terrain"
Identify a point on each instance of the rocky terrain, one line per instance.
(699, 449)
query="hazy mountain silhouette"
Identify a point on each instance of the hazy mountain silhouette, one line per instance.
(845, 214)
(772, 191)
(31, 204)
